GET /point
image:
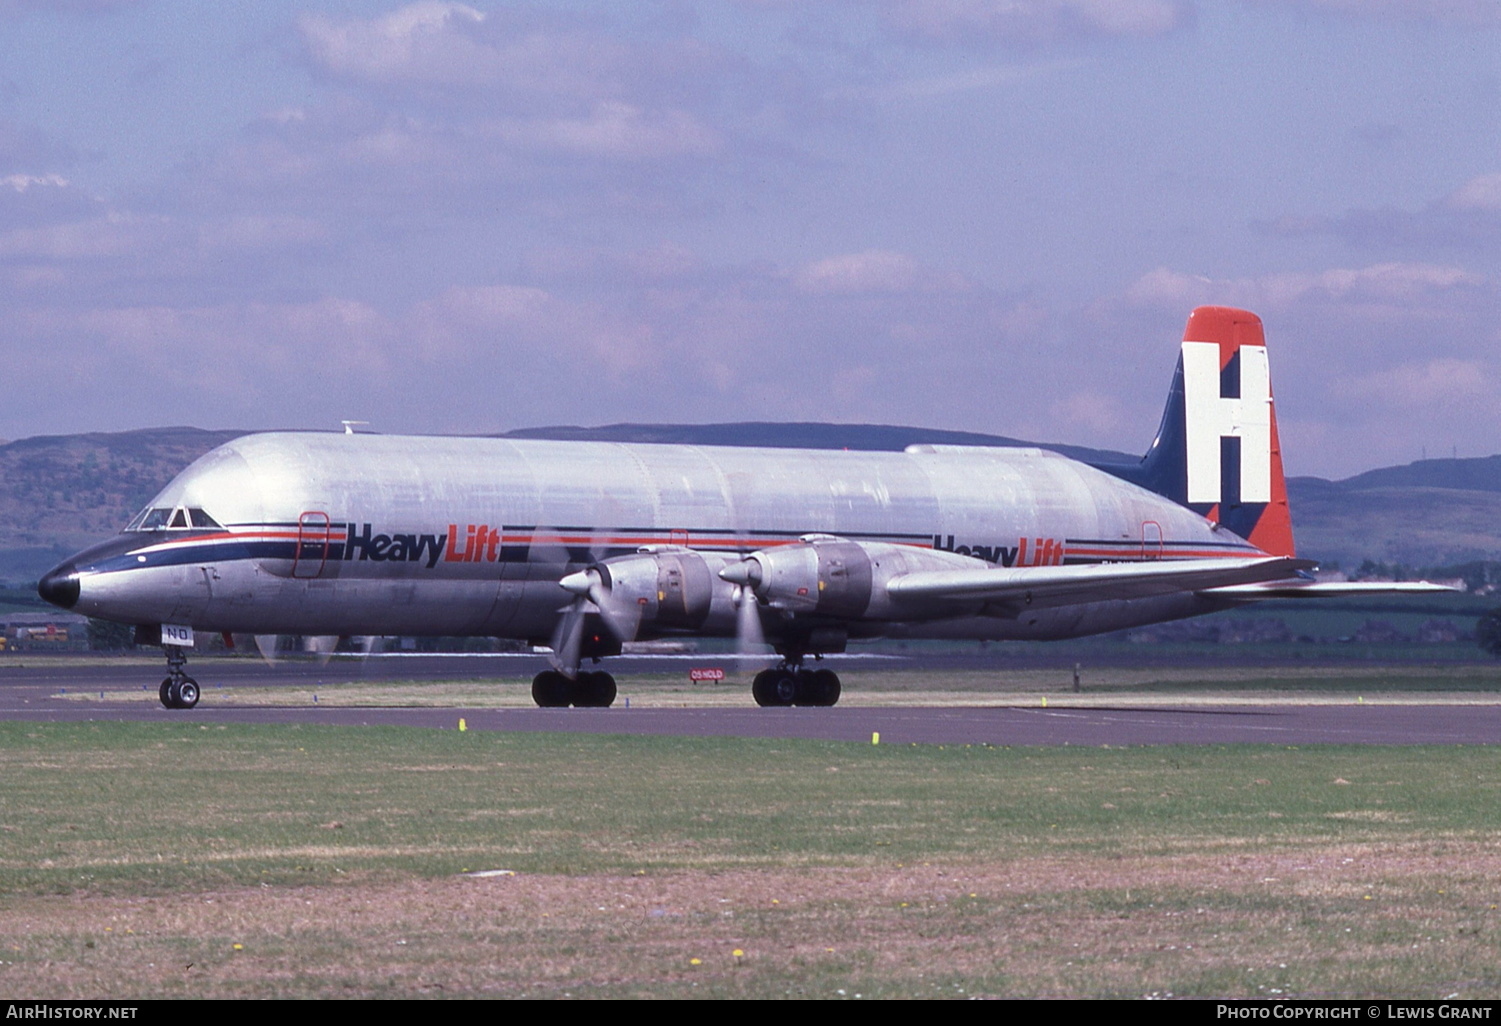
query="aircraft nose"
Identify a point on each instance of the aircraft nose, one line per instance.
(60, 586)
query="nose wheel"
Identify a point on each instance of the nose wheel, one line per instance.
(178, 690)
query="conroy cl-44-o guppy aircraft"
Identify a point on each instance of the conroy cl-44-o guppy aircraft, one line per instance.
(587, 545)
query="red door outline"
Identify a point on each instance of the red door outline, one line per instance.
(312, 544)
(1151, 539)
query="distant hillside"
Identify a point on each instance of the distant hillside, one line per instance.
(1429, 513)
(59, 493)
(1475, 475)
(860, 437)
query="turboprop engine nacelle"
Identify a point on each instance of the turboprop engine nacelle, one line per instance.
(829, 576)
(660, 590)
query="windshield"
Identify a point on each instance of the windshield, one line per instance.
(160, 517)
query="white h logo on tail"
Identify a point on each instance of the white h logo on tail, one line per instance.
(1210, 417)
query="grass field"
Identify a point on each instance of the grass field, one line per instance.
(240, 861)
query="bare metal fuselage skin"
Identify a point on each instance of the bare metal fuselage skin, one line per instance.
(372, 534)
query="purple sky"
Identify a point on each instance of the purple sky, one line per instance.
(990, 215)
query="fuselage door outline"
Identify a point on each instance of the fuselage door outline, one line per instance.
(311, 554)
(1151, 540)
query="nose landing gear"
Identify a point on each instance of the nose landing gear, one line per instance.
(178, 691)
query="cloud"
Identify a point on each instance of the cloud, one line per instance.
(529, 327)
(111, 235)
(1370, 363)
(1097, 414)
(614, 130)
(872, 272)
(21, 183)
(17, 8)
(1030, 21)
(427, 41)
(1438, 382)
(1451, 12)
(951, 84)
(1467, 218)
(434, 108)
(600, 268)
(515, 58)
(1482, 193)
(228, 360)
(28, 151)
(1383, 285)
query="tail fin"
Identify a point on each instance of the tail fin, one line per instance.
(1217, 450)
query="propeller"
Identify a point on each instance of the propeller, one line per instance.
(593, 595)
(321, 646)
(750, 639)
(266, 644)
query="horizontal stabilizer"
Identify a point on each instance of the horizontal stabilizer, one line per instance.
(1045, 586)
(1326, 589)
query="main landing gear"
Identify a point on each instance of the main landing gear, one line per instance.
(790, 684)
(178, 691)
(589, 690)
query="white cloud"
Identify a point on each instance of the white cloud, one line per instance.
(1379, 283)
(1469, 217)
(20, 7)
(875, 271)
(424, 40)
(615, 130)
(529, 327)
(1098, 414)
(962, 21)
(114, 235)
(1431, 383)
(228, 359)
(514, 58)
(1482, 193)
(21, 183)
(1456, 12)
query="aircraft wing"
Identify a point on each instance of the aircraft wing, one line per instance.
(1044, 586)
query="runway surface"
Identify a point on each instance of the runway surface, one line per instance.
(31, 694)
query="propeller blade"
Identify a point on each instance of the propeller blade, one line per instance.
(568, 640)
(621, 616)
(266, 645)
(321, 646)
(750, 639)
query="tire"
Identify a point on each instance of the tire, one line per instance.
(186, 692)
(595, 690)
(823, 688)
(165, 693)
(761, 688)
(552, 690)
(784, 687)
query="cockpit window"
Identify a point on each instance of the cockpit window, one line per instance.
(155, 519)
(167, 517)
